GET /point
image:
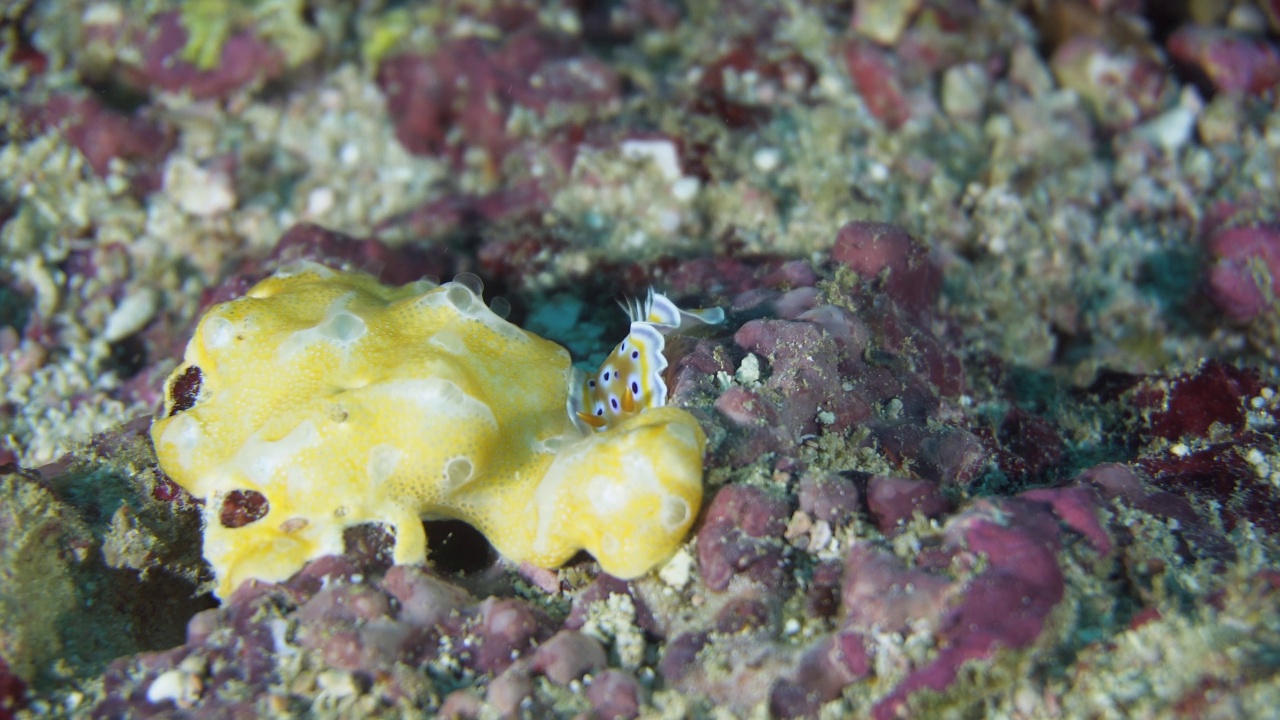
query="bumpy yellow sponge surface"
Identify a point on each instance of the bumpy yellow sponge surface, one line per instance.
(343, 401)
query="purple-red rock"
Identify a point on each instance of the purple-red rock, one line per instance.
(875, 76)
(850, 333)
(394, 265)
(824, 671)
(681, 654)
(803, 380)
(1232, 61)
(1078, 508)
(567, 656)
(614, 695)
(508, 691)
(508, 628)
(822, 599)
(693, 373)
(13, 692)
(246, 60)
(102, 135)
(888, 256)
(473, 86)
(322, 572)
(1237, 254)
(461, 704)
(598, 591)
(1222, 482)
(881, 594)
(344, 604)
(893, 500)
(1192, 404)
(829, 497)
(794, 303)
(946, 455)
(741, 535)
(1032, 441)
(1005, 606)
(425, 600)
(1114, 481)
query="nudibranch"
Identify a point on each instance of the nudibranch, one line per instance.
(343, 401)
(630, 379)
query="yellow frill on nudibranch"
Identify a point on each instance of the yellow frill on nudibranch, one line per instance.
(344, 401)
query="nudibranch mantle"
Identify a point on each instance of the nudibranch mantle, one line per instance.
(344, 401)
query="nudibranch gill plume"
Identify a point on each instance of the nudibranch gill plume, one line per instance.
(340, 401)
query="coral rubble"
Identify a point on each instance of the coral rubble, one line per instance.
(990, 423)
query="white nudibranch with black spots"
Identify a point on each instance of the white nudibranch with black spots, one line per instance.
(630, 379)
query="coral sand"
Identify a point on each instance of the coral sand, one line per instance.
(990, 422)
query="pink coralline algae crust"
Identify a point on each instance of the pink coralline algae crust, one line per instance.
(830, 367)
(740, 536)
(1198, 537)
(1219, 474)
(13, 692)
(103, 135)
(829, 497)
(875, 76)
(972, 614)
(893, 500)
(246, 60)
(474, 85)
(1006, 606)
(1208, 407)
(899, 265)
(353, 613)
(1244, 270)
(1194, 403)
(1233, 62)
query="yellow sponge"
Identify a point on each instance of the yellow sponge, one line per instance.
(343, 401)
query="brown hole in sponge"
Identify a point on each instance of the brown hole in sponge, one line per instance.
(241, 507)
(185, 390)
(455, 547)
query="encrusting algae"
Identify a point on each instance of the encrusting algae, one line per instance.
(343, 401)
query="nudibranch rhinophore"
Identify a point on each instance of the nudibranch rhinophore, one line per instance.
(343, 401)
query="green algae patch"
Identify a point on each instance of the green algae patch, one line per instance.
(40, 544)
(92, 566)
